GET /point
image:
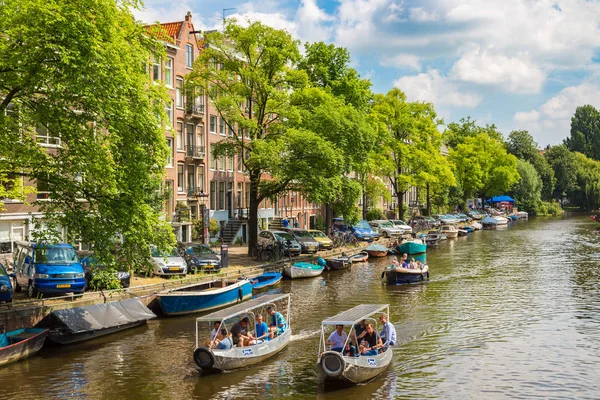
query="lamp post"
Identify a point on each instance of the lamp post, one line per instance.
(204, 214)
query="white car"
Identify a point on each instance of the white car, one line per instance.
(168, 263)
(386, 228)
(399, 224)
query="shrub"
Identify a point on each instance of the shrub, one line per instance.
(375, 213)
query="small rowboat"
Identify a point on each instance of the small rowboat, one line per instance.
(337, 263)
(266, 280)
(302, 270)
(363, 256)
(215, 360)
(335, 366)
(395, 276)
(377, 250)
(20, 344)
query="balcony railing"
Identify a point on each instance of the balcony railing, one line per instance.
(194, 109)
(192, 192)
(194, 152)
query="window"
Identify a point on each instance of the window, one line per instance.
(201, 178)
(190, 137)
(156, 72)
(230, 164)
(180, 143)
(240, 162)
(240, 132)
(247, 194)
(213, 195)
(191, 174)
(213, 159)
(169, 72)
(213, 124)
(189, 55)
(169, 207)
(169, 112)
(43, 189)
(231, 131)
(221, 195)
(239, 194)
(221, 127)
(179, 93)
(222, 163)
(180, 178)
(170, 155)
(44, 137)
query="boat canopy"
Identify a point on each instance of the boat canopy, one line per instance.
(242, 308)
(101, 316)
(356, 314)
(500, 199)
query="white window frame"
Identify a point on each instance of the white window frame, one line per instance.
(214, 132)
(189, 55)
(180, 137)
(170, 114)
(181, 189)
(213, 160)
(157, 67)
(169, 72)
(179, 93)
(45, 139)
(222, 124)
(171, 155)
(230, 164)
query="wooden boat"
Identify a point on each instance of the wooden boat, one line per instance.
(377, 250)
(414, 246)
(363, 256)
(336, 263)
(20, 344)
(335, 366)
(450, 231)
(204, 296)
(73, 325)
(212, 359)
(396, 276)
(303, 270)
(266, 280)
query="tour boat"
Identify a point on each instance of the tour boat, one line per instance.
(377, 250)
(21, 343)
(204, 296)
(213, 359)
(336, 366)
(303, 270)
(450, 231)
(363, 256)
(336, 263)
(399, 275)
(266, 280)
(415, 246)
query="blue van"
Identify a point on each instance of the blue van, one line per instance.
(6, 289)
(361, 230)
(48, 269)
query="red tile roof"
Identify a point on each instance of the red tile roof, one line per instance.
(172, 30)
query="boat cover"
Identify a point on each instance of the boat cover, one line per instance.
(243, 308)
(500, 199)
(101, 316)
(376, 247)
(356, 314)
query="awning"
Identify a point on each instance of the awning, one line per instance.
(500, 199)
(243, 308)
(101, 316)
(356, 314)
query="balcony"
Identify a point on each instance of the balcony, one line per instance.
(192, 192)
(194, 152)
(194, 109)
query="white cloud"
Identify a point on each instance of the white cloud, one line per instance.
(402, 60)
(313, 22)
(527, 116)
(440, 90)
(419, 14)
(509, 73)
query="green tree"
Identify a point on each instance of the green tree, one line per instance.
(250, 78)
(587, 193)
(457, 132)
(562, 162)
(72, 73)
(585, 132)
(528, 190)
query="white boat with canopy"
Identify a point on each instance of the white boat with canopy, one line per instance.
(340, 366)
(210, 358)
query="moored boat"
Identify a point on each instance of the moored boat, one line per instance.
(462, 232)
(266, 280)
(476, 226)
(340, 366)
(204, 296)
(73, 325)
(501, 220)
(468, 228)
(489, 222)
(363, 256)
(303, 269)
(399, 275)
(450, 231)
(415, 246)
(523, 214)
(210, 358)
(432, 239)
(336, 263)
(513, 217)
(377, 250)
(21, 343)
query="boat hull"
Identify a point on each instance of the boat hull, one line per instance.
(377, 253)
(58, 337)
(352, 369)
(337, 264)
(181, 302)
(23, 348)
(412, 248)
(266, 280)
(298, 272)
(398, 276)
(363, 256)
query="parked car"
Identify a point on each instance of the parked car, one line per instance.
(362, 231)
(435, 223)
(307, 241)
(91, 265)
(447, 220)
(324, 242)
(339, 225)
(48, 269)
(290, 244)
(399, 224)
(376, 234)
(168, 262)
(6, 289)
(460, 217)
(386, 228)
(200, 257)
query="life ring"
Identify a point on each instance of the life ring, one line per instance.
(332, 363)
(204, 358)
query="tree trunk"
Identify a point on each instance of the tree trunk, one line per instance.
(365, 207)
(253, 215)
(400, 205)
(428, 201)
(328, 218)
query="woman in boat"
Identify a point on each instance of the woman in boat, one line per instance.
(371, 342)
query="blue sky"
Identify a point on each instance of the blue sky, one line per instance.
(520, 64)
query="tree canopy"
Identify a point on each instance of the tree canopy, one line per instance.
(585, 132)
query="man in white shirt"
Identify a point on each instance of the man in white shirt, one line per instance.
(337, 339)
(388, 333)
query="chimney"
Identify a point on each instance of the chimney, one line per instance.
(188, 17)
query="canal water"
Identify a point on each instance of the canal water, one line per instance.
(508, 313)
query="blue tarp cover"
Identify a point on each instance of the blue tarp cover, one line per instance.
(499, 199)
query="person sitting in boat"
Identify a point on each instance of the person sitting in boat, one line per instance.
(215, 330)
(278, 324)
(356, 336)
(388, 333)
(371, 342)
(419, 265)
(337, 339)
(222, 341)
(262, 329)
(240, 334)
(395, 262)
(412, 264)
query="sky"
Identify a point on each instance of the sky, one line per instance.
(518, 64)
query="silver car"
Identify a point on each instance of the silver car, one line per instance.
(306, 240)
(168, 262)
